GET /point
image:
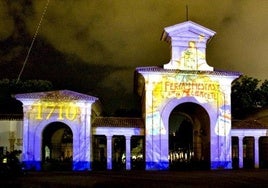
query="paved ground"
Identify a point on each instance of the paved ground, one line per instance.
(140, 179)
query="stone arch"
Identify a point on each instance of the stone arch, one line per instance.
(173, 103)
(43, 108)
(189, 123)
(57, 147)
(32, 153)
(39, 131)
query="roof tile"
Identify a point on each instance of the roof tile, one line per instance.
(118, 122)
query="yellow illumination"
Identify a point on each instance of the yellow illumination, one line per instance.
(63, 110)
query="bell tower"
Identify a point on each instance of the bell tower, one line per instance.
(188, 42)
(187, 85)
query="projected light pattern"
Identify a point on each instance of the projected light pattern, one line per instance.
(64, 106)
(192, 58)
(64, 110)
(203, 88)
(209, 91)
(188, 46)
(186, 79)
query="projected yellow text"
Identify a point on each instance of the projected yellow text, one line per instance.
(46, 110)
(205, 90)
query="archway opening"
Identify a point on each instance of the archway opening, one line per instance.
(248, 152)
(137, 153)
(235, 152)
(189, 137)
(57, 147)
(99, 152)
(263, 152)
(118, 153)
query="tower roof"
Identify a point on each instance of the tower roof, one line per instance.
(186, 30)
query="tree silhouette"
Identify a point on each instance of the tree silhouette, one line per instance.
(248, 95)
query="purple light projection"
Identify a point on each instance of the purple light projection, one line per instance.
(186, 78)
(68, 107)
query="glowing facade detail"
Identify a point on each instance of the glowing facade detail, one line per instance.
(186, 78)
(209, 91)
(71, 108)
(187, 81)
(188, 46)
(65, 110)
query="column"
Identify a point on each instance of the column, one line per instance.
(240, 152)
(128, 153)
(109, 152)
(256, 150)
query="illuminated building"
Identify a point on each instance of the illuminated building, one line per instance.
(186, 118)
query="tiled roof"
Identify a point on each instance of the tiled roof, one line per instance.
(118, 122)
(160, 69)
(257, 120)
(248, 124)
(11, 117)
(59, 94)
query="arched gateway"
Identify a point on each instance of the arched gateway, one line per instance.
(189, 137)
(187, 82)
(44, 109)
(186, 115)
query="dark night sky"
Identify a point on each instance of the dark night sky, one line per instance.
(94, 46)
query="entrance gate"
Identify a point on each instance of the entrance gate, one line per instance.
(57, 147)
(189, 137)
(187, 78)
(186, 84)
(42, 110)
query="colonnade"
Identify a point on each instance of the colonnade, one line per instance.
(254, 134)
(109, 152)
(242, 135)
(241, 151)
(109, 133)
